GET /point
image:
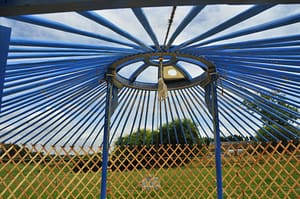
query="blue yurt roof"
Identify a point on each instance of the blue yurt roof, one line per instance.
(58, 63)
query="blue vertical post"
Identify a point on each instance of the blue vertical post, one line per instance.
(217, 136)
(105, 145)
(4, 46)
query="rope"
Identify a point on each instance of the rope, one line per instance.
(160, 67)
(162, 87)
(170, 23)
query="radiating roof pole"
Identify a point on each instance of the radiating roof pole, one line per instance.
(105, 143)
(217, 135)
(4, 45)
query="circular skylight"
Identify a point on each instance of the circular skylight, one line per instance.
(143, 70)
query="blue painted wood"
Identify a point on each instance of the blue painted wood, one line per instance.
(137, 72)
(167, 122)
(172, 121)
(217, 138)
(118, 115)
(255, 29)
(27, 99)
(161, 137)
(153, 116)
(242, 114)
(249, 66)
(146, 25)
(178, 115)
(253, 11)
(106, 135)
(180, 105)
(128, 106)
(62, 27)
(187, 19)
(141, 117)
(135, 118)
(246, 95)
(58, 103)
(19, 7)
(104, 22)
(197, 114)
(146, 116)
(182, 69)
(4, 46)
(190, 114)
(257, 43)
(60, 44)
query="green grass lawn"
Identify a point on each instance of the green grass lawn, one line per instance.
(193, 181)
(200, 183)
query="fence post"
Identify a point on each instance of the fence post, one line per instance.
(4, 46)
(217, 136)
(105, 144)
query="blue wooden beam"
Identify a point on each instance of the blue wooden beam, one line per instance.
(245, 15)
(106, 23)
(105, 144)
(20, 7)
(217, 137)
(184, 23)
(66, 28)
(255, 29)
(60, 44)
(140, 15)
(4, 46)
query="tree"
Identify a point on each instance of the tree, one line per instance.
(232, 138)
(177, 132)
(277, 116)
(144, 136)
(17, 153)
(181, 132)
(148, 149)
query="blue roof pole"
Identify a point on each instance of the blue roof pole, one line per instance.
(217, 136)
(4, 46)
(106, 138)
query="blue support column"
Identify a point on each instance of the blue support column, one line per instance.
(106, 139)
(218, 157)
(4, 46)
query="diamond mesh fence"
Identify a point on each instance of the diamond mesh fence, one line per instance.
(250, 170)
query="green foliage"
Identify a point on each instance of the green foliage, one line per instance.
(274, 106)
(17, 153)
(232, 138)
(137, 138)
(189, 135)
(274, 129)
(21, 154)
(185, 130)
(270, 127)
(130, 152)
